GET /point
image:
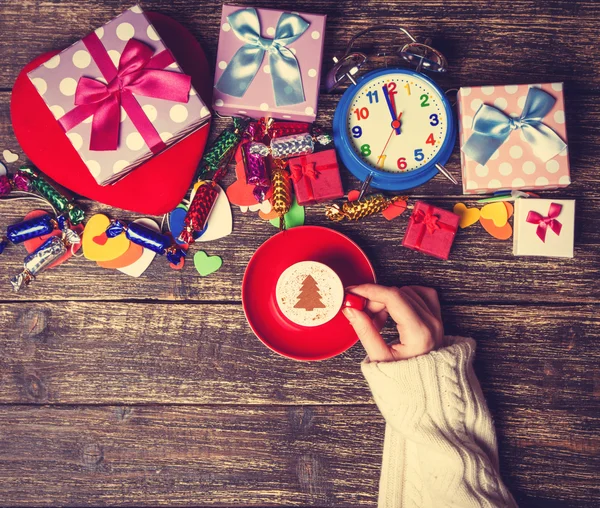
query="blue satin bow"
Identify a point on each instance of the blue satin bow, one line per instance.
(492, 127)
(285, 73)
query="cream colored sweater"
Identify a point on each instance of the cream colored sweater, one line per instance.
(440, 445)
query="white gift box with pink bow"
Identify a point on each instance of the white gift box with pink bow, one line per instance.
(544, 227)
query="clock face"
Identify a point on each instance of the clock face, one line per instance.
(397, 122)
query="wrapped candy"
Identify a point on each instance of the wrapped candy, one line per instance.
(277, 128)
(257, 173)
(49, 191)
(354, 210)
(223, 146)
(31, 228)
(147, 238)
(199, 211)
(290, 146)
(41, 258)
(18, 182)
(282, 191)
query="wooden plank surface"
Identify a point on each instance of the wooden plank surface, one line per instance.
(86, 353)
(467, 277)
(253, 456)
(153, 391)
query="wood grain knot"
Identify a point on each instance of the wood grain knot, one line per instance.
(123, 413)
(33, 322)
(92, 455)
(35, 388)
(301, 420)
(310, 476)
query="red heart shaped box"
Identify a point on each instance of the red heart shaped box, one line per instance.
(155, 187)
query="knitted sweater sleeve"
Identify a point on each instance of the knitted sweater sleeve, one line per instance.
(440, 444)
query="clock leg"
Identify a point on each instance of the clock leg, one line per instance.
(446, 173)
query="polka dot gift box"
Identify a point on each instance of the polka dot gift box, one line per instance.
(120, 96)
(268, 63)
(513, 137)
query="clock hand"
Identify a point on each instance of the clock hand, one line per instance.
(395, 127)
(391, 107)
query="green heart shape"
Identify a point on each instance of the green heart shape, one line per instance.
(295, 217)
(206, 264)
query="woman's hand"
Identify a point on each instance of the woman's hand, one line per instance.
(416, 311)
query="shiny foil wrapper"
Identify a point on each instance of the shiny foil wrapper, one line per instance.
(31, 228)
(38, 261)
(282, 191)
(288, 146)
(5, 185)
(225, 143)
(279, 128)
(147, 238)
(57, 199)
(199, 212)
(355, 210)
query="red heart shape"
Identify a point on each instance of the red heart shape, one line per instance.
(240, 192)
(394, 210)
(34, 243)
(153, 188)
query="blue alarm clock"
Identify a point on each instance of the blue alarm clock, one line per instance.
(394, 128)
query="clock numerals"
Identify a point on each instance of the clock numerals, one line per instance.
(433, 120)
(373, 97)
(407, 86)
(430, 140)
(361, 113)
(419, 155)
(365, 150)
(424, 100)
(402, 164)
(381, 161)
(356, 131)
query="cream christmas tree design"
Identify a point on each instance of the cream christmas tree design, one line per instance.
(309, 297)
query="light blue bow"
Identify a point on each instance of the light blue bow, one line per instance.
(492, 127)
(285, 73)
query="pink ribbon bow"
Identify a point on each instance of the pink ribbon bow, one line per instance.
(543, 223)
(299, 170)
(430, 220)
(138, 73)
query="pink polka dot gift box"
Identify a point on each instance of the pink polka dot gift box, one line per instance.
(268, 63)
(513, 137)
(120, 96)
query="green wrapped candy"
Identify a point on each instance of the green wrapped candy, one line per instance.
(223, 146)
(62, 203)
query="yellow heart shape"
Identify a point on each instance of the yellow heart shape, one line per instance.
(468, 216)
(496, 212)
(112, 248)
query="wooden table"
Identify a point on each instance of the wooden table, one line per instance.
(154, 391)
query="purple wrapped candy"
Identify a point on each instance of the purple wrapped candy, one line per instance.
(38, 261)
(22, 182)
(257, 173)
(5, 186)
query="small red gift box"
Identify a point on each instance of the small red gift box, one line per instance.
(316, 177)
(431, 230)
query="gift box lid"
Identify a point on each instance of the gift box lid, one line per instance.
(544, 227)
(431, 230)
(520, 162)
(57, 79)
(305, 50)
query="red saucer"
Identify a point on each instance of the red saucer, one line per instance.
(304, 243)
